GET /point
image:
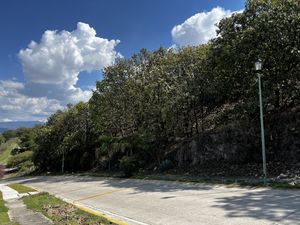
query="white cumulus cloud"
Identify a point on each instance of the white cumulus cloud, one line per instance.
(51, 68)
(59, 57)
(16, 106)
(199, 28)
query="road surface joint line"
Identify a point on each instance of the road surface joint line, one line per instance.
(100, 195)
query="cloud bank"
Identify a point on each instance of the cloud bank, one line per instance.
(16, 106)
(200, 28)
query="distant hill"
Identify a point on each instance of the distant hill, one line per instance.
(2, 129)
(17, 124)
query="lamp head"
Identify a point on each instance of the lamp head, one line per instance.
(258, 65)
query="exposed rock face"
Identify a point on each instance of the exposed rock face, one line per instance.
(237, 143)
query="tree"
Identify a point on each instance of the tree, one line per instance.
(27, 138)
(65, 139)
(160, 94)
(149, 103)
(267, 30)
(8, 134)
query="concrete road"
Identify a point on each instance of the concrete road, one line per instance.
(171, 203)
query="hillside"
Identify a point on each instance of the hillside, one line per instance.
(195, 109)
(3, 129)
(6, 148)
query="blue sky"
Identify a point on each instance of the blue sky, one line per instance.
(136, 23)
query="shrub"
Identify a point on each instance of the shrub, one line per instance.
(129, 165)
(166, 165)
(17, 150)
(16, 160)
(86, 161)
(26, 167)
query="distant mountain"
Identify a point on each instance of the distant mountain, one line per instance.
(2, 129)
(17, 124)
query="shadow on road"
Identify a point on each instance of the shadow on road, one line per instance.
(138, 186)
(141, 186)
(272, 205)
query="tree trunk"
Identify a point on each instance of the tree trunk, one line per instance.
(196, 119)
(63, 163)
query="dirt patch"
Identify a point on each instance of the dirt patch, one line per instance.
(68, 214)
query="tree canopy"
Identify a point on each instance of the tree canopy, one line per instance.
(148, 102)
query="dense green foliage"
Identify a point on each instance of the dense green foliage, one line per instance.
(268, 30)
(2, 139)
(67, 135)
(146, 104)
(9, 134)
(19, 159)
(128, 165)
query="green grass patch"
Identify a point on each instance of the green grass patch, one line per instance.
(6, 148)
(21, 188)
(4, 219)
(60, 212)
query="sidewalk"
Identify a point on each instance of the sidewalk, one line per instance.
(17, 210)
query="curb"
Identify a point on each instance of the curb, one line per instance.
(86, 209)
(95, 213)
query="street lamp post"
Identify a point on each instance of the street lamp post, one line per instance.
(258, 67)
